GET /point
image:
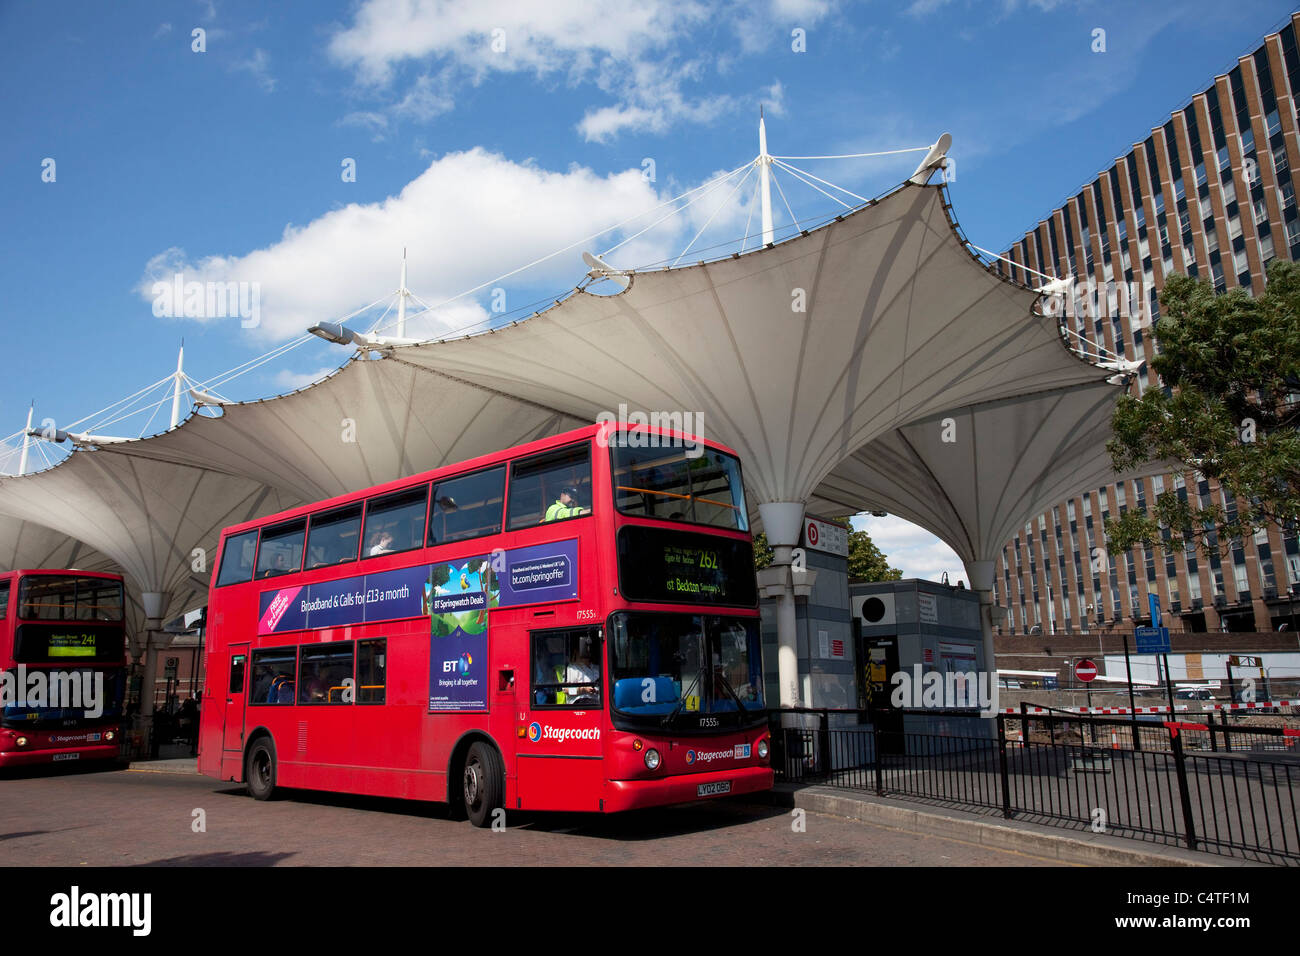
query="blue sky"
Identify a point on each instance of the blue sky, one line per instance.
(487, 135)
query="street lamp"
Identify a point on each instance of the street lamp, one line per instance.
(340, 334)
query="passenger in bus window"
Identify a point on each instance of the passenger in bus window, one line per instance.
(381, 543)
(566, 506)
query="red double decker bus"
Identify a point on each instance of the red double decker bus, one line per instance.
(567, 625)
(62, 666)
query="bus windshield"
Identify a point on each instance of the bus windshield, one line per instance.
(56, 597)
(666, 666)
(66, 697)
(660, 477)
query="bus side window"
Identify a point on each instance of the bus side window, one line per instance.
(237, 674)
(273, 675)
(551, 486)
(395, 522)
(4, 599)
(237, 559)
(566, 668)
(323, 672)
(281, 549)
(371, 668)
(468, 506)
(334, 536)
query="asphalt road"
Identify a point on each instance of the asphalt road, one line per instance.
(143, 818)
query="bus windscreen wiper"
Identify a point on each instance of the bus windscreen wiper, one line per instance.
(731, 692)
(668, 721)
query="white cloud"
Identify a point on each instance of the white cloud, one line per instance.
(467, 218)
(258, 66)
(162, 31)
(631, 52)
(911, 549)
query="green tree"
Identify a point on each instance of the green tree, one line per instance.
(1232, 363)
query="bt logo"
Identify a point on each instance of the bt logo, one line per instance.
(462, 665)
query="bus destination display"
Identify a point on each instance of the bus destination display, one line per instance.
(655, 564)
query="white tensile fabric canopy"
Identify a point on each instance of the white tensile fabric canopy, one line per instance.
(871, 364)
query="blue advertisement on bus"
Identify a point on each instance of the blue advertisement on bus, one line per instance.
(458, 595)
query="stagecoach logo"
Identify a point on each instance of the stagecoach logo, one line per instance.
(707, 755)
(75, 690)
(538, 732)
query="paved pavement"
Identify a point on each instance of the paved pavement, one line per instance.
(146, 816)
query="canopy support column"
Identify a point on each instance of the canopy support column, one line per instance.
(783, 524)
(981, 582)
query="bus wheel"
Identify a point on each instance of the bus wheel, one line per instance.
(259, 770)
(484, 784)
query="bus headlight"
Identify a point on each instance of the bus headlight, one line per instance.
(21, 741)
(762, 749)
(109, 736)
(652, 759)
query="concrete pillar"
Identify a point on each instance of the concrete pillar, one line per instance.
(783, 525)
(155, 602)
(981, 582)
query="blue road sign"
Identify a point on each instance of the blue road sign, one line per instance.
(1154, 600)
(1151, 640)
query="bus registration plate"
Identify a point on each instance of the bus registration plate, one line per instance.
(66, 757)
(713, 789)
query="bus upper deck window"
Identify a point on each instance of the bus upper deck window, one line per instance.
(281, 549)
(333, 537)
(395, 522)
(551, 487)
(468, 506)
(237, 559)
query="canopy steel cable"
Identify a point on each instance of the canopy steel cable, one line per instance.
(744, 240)
(674, 212)
(574, 245)
(1019, 265)
(796, 169)
(795, 173)
(887, 152)
(109, 408)
(1097, 346)
(794, 222)
(708, 221)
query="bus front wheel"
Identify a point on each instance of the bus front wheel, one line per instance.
(484, 784)
(259, 770)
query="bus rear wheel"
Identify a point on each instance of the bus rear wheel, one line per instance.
(484, 788)
(259, 770)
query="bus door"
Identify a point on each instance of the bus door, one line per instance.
(232, 731)
(559, 763)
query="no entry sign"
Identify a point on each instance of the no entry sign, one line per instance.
(1085, 670)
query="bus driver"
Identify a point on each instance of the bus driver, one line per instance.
(566, 506)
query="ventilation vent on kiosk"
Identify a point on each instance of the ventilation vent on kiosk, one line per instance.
(875, 610)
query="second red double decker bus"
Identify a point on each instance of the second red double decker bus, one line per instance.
(62, 666)
(567, 625)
